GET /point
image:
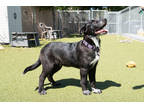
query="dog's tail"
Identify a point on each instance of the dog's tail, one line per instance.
(32, 67)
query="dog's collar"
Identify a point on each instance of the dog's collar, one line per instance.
(85, 43)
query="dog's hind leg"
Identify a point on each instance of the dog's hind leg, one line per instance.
(50, 75)
(41, 82)
(46, 69)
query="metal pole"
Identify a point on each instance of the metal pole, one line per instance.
(141, 22)
(34, 18)
(91, 13)
(129, 19)
(141, 12)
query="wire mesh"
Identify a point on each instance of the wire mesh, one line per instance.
(131, 21)
(127, 20)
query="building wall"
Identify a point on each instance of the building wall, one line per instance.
(44, 16)
(27, 19)
(4, 32)
(14, 19)
(32, 16)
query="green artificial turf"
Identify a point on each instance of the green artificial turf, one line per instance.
(118, 82)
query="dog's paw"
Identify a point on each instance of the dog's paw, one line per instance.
(97, 91)
(86, 92)
(43, 92)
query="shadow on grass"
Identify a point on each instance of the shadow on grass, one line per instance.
(138, 87)
(75, 82)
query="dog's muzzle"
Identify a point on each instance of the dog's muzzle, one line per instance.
(102, 31)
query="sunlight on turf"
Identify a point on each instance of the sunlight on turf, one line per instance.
(118, 82)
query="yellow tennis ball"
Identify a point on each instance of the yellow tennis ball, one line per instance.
(131, 64)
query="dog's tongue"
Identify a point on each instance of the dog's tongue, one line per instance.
(101, 31)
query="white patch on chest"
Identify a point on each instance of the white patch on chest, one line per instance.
(97, 56)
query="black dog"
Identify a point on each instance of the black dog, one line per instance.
(83, 55)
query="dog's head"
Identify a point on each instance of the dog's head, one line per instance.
(94, 28)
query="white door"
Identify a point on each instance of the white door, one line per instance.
(4, 32)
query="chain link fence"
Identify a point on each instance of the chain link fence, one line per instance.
(125, 21)
(130, 21)
(70, 22)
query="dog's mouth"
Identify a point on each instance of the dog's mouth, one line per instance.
(101, 32)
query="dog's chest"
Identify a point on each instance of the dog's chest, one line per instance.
(97, 55)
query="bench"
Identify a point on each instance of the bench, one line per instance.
(25, 39)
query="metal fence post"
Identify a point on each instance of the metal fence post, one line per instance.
(129, 29)
(91, 14)
(119, 24)
(141, 26)
(142, 21)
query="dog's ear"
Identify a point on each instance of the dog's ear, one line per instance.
(82, 29)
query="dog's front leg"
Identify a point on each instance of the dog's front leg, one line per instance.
(92, 80)
(83, 82)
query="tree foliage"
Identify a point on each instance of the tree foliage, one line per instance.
(110, 8)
